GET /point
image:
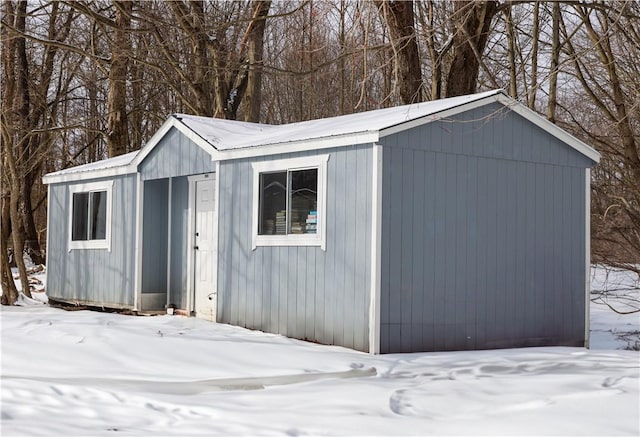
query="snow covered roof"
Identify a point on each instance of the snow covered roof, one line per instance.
(105, 164)
(231, 135)
(230, 139)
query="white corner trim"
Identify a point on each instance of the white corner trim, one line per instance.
(138, 242)
(308, 162)
(255, 204)
(169, 203)
(216, 228)
(107, 186)
(587, 258)
(47, 251)
(191, 213)
(376, 251)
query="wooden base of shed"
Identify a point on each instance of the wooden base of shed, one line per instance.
(76, 305)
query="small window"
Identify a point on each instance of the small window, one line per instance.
(90, 216)
(289, 202)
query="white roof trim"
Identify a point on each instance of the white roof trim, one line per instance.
(549, 127)
(351, 139)
(513, 105)
(172, 121)
(94, 170)
(437, 116)
(320, 142)
(77, 174)
(84, 175)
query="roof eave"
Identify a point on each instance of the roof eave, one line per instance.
(439, 115)
(550, 128)
(318, 143)
(99, 173)
(512, 104)
(172, 122)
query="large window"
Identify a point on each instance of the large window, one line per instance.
(289, 202)
(90, 220)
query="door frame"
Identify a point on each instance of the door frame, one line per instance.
(191, 223)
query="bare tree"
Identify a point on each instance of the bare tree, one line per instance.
(604, 48)
(32, 92)
(472, 21)
(555, 61)
(118, 125)
(399, 17)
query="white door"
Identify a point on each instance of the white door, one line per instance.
(204, 247)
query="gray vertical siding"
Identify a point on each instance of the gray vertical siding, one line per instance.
(482, 236)
(94, 276)
(301, 292)
(179, 220)
(175, 155)
(155, 237)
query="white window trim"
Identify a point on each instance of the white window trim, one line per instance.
(319, 239)
(85, 188)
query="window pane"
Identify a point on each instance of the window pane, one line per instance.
(304, 201)
(79, 220)
(98, 215)
(273, 204)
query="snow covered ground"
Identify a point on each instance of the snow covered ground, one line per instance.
(90, 374)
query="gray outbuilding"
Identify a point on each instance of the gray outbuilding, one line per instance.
(456, 224)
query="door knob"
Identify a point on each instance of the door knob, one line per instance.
(196, 248)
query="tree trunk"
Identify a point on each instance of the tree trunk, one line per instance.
(14, 143)
(17, 229)
(555, 62)
(9, 290)
(399, 18)
(118, 126)
(511, 52)
(535, 35)
(253, 96)
(472, 20)
(32, 244)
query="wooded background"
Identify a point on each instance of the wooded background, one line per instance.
(86, 80)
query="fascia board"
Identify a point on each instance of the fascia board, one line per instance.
(86, 175)
(550, 128)
(513, 105)
(151, 144)
(300, 146)
(193, 136)
(439, 115)
(159, 135)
